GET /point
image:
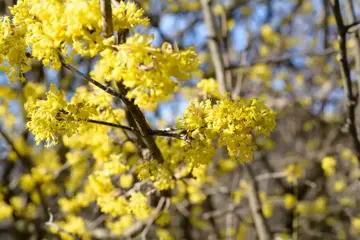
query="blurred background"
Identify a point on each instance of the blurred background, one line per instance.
(284, 52)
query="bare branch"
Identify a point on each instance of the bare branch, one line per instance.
(261, 225)
(214, 44)
(351, 99)
(284, 58)
(107, 18)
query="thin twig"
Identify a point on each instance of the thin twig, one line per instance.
(286, 57)
(51, 223)
(151, 219)
(355, 23)
(113, 125)
(91, 80)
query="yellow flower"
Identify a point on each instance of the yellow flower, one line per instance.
(164, 234)
(320, 205)
(139, 207)
(209, 87)
(231, 122)
(147, 71)
(328, 164)
(339, 185)
(117, 227)
(54, 116)
(126, 180)
(289, 200)
(27, 182)
(355, 225)
(293, 173)
(5, 210)
(73, 225)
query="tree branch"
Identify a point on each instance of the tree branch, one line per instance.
(158, 132)
(284, 58)
(107, 18)
(134, 110)
(261, 225)
(351, 99)
(214, 44)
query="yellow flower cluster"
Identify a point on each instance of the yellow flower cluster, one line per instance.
(328, 164)
(73, 225)
(55, 116)
(5, 210)
(147, 71)
(13, 59)
(117, 227)
(159, 174)
(231, 123)
(139, 207)
(50, 27)
(74, 204)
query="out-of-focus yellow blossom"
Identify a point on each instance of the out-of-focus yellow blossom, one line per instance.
(264, 50)
(163, 234)
(74, 225)
(339, 185)
(113, 205)
(303, 208)
(237, 196)
(27, 182)
(347, 154)
(126, 180)
(139, 207)
(33, 90)
(261, 72)
(209, 88)
(196, 196)
(160, 174)
(328, 164)
(5, 210)
(226, 165)
(289, 200)
(230, 24)
(6, 92)
(266, 205)
(18, 204)
(293, 173)
(320, 205)
(117, 227)
(242, 231)
(30, 211)
(74, 204)
(218, 9)
(100, 183)
(347, 202)
(163, 219)
(268, 34)
(355, 226)
(180, 190)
